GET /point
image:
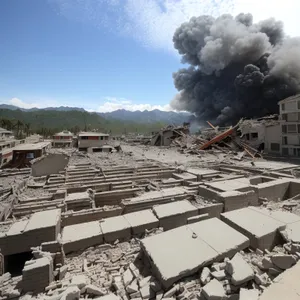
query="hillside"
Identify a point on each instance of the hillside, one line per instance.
(153, 116)
(74, 120)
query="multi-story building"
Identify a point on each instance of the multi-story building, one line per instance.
(289, 109)
(63, 139)
(4, 134)
(91, 140)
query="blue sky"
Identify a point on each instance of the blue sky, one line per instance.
(102, 54)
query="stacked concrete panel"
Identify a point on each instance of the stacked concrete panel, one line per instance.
(148, 200)
(78, 201)
(261, 229)
(141, 220)
(41, 227)
(174, 214)
(81, 236)
(37, 274)
(115, 228)
(181, 252)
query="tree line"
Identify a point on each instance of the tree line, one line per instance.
(49, 122)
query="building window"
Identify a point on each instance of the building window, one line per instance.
(282, 106)
(101, 138)
(275, 147)
(247, 136)
(284, 129)
(284, 140)
(298, 103)
(84, 138)
(284, 117)
(285, 151)
(254, 135)
(292, 128)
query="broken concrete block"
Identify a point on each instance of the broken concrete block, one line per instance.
(145, 281)
(79, 280)
(274, 271)
(267, 263)
(220, 275)
(132, 288)
(109, 297)
(94, 290)
(198, 218)
(283, 261)
(62, 271)
(262, 279)
(147, 292)
(239, 270)
(172, 291)
(71, 293)
(246, 294)
(214, 290)
(205, 276)
(127, 277)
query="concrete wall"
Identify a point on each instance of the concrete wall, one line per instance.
(273, 135)
(92, 143)
(50, 164)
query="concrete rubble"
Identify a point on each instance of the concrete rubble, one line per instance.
(152, 223)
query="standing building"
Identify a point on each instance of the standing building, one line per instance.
(92, 140)
(289, 109)
(63, 139)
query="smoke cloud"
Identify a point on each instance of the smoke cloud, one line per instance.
(237, 68)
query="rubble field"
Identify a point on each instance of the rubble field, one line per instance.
(148, 222)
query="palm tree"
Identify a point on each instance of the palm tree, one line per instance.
(18, 125)
(27, 128)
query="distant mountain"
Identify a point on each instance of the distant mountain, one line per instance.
(145, 117)
(60, 108)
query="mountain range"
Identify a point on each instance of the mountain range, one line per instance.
(146, 116)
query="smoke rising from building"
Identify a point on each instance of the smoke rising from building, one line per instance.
(237, 68)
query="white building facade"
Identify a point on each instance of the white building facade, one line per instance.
(289, 109)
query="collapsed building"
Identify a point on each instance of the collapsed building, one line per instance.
(114, 225)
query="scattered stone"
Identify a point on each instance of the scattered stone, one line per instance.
(172, 291)
(239, 270)
(79, 280)
(214, 290)
(71, 293)
(205, 276)
(62, 272)
(246, 294)
(133, 287)
(267, 263)
(127, 277)
(220, 275)
(283, 261)
(262, 279)
(94, 290)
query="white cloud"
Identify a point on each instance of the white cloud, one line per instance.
(112, 104)
(153, 22)
(41, 103)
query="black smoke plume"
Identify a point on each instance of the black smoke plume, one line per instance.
(237, 68)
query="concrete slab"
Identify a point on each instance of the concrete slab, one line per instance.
(285, 286)
(115, 228)
(43, 219)
(17, 228)
(210, 231)
(141, 220)
(174, 214)
(262, 230)
(292, 232)
(80, 236)
(239, 184)
(185, 176)
(183, 251)
(279, 215)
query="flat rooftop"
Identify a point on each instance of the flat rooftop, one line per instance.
(28, 147)
(92, 134)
